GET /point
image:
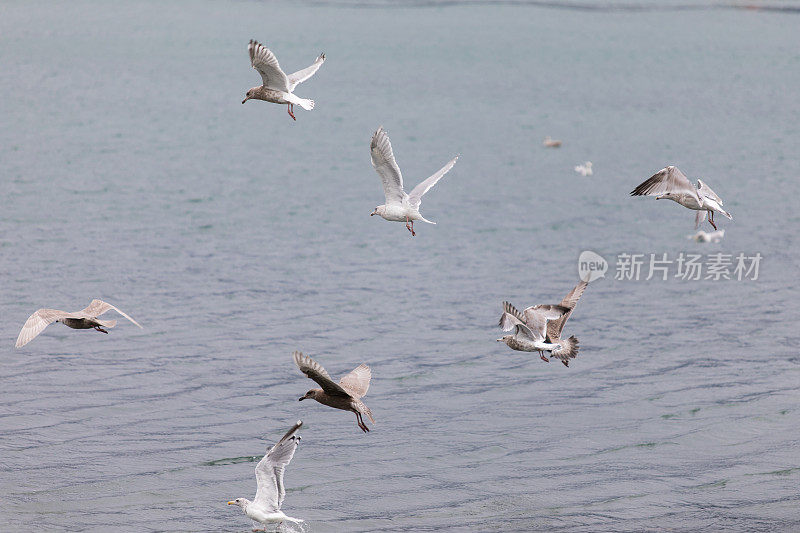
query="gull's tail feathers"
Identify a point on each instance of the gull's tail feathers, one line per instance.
(569, 349)
(305, 103)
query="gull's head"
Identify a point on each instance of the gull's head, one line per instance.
(248, 96)
(505, 338)
(309, 395)
(380, 210)
(239, 502)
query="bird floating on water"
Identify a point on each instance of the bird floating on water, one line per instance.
(584, 169)
(266, 506)
(702, 236)
(399, 206)
(539, 328)
(345, 395)
(85, 319)
(278, 87)
(671, 184)
(551, 143)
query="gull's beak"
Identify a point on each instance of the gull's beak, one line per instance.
(499, 340)
(373, 213)
(243, 101)
(232, 503)
(301, 399)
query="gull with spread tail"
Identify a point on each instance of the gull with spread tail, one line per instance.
(539, 328)
(345, 395)
(278, 88)
(85, 319)
(671, 184)
(399, 206)
(266, 506)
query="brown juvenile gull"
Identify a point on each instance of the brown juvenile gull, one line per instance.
(345, 395)
(512, 318)
(278, 87)
(266, 506)
(671, 184)
(399, 206)
(85, 319)
(551, 143)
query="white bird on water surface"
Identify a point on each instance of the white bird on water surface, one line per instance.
(84, 319)
(278, 87)
(399, 206)
(702, 236)
(584, 169)
(671, 184)
(266, 506)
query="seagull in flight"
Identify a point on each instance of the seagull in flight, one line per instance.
(266, 506)
(85, 319)
(399, 206)
(345, 395)
(278, 88)
(532, 318)
(671, 184)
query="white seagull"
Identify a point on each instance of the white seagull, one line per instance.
(702, 236)
(278, 87)
(266, 506)
(399, 206)
(584, 169)
(672, 184)
(85, 319)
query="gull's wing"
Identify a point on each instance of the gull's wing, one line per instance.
(37, 322)
(264, 61)
(357, 381)
(415, 196)
(537, 316)
(705, 190)
(98, 307)
(383, 160)
(269, 470)
(666, 180)
(302, 75)
(314, 370)
(555, 327)
(510, 317)
(522, 329)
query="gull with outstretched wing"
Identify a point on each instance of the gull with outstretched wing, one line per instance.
(345, 395)
(671, 184)
(266, 506)
(84, 319)
(399, 206)
(278, 87)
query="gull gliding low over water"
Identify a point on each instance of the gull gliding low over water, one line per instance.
(85, 319)
(278, 87)
(671, 184)
(399, 206)
(532, 318)
(266, 506)
(345, 395)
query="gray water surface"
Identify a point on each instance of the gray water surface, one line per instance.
(132, 173)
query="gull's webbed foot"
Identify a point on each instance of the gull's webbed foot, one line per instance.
(289, 109)
(98, 328)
